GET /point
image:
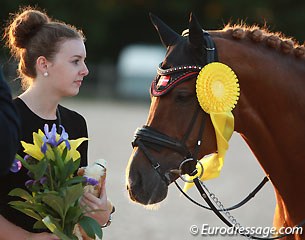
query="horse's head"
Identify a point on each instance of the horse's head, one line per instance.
(175, 123)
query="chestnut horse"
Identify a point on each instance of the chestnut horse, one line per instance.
(269, 115)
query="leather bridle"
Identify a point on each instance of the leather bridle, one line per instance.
(147, 137)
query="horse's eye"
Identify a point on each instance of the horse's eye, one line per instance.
(184, 97)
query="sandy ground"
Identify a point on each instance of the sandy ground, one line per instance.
(111, 126)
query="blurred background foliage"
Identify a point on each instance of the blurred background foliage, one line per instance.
(111, 25)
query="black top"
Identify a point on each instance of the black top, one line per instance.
(9, 127)
(75, 126)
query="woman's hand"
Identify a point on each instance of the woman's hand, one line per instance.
(42, 236)
(97, 208)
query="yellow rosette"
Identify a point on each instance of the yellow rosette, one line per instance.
(217, 93)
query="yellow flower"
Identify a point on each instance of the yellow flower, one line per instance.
(72, 153)
(50, 145)
(34, 150)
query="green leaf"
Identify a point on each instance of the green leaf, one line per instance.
(27, 211)
(37, 169)
(39, 225)
(56, 178)
(67, 171)
(21, 204)
(76, 164)
(91, 227)
(18, 157)
(73, 193)
(64, 153)
(19, 192)
(54, 229)
(74, 180)
(73, 214)
(55, 202)
(58, 160)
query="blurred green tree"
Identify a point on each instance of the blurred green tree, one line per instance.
(109, 25)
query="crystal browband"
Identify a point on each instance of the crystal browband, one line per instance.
(166, 79)
(167, 71)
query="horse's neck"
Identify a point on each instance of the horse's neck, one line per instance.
(270, 113)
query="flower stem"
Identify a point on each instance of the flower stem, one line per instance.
(51, 178)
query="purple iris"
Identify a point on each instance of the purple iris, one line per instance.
(64, 137)
(50, 137)
(43, 180)
(16, 166)
(29, 183)
(91, 181)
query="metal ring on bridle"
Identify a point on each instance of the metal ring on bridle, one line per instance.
(180, 168)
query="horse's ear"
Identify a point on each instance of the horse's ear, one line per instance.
(195, 32)
(167, 35)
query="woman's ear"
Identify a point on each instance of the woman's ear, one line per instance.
(42, 65)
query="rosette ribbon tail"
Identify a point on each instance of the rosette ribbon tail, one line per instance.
(224, 126)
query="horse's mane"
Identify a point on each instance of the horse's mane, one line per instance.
(262, 35)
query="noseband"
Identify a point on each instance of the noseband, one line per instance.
(147, 137)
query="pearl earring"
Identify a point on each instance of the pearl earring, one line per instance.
(46, 74)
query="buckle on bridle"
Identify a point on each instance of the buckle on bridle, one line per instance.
(156, 165)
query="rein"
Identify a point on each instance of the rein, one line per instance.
(204, 192)
(238, 205)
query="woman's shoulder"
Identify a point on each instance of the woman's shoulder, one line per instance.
(67, 111)
(74, 123)
(70, 115)
(21, 107)
(18, 103)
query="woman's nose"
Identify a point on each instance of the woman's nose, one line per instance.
(85, 71)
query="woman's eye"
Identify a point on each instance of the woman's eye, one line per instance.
(76, 61)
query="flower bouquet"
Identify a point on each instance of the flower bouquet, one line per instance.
(54, 190)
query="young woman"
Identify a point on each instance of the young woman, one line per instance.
(52, 65)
